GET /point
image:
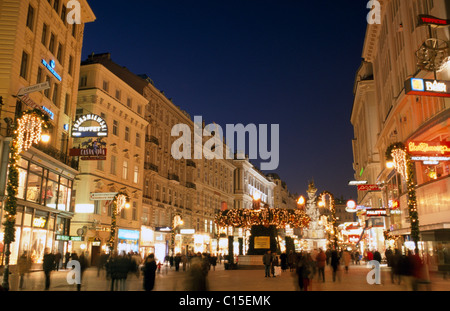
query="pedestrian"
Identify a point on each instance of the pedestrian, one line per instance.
(321, 262)
(334, 263)
(214, 261)
(58, 257)
(357, 257)
(177, 260)
(24, 265)
(83, 266)
(198, 272)
(267, 261)
(416, 267)
(328, 253)
(377, 256)
(305, 272)
(369, 255)
(48, 264)
(395, 269)
(283, 259)
(389, 257)
(347, 259)
(149, 272)
(291, 260)
(275, 264)
(66, 259)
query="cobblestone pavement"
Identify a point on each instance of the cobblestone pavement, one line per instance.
(232, 280)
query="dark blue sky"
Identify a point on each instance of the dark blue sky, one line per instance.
(286, 62)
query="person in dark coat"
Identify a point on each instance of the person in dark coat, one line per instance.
(334, 263)
(83, 265)
(149, 272)
(377, 256)
(48, 265)
(58, 257)
(177, 260)
(283, 259)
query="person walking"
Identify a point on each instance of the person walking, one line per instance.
(291, 260)
(48, 265)
(377, 256)
(58, 257)
(334, 263)
(321, 262)
(177, 260)
(83, 265)
(149, 272)
(267, 261)
(24, 265)
(305, 272)
(347, 259)
(283, 259)
(275, 264)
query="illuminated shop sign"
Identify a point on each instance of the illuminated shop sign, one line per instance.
(125, 234)
(376, 212)
(434, 21)
(60, 237)
(51, 67)
(83, 126)
(368, 188)
(417, 86)
(39, 222)
(48, 111)
(357, 182)
(429, 148)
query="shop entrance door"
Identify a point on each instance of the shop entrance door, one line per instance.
(95, 254)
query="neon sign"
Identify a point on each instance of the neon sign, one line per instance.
(431, 20)
(51, 68)
(100, 130)
(429, 148)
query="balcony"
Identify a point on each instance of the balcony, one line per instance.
(58, 155)
(190, 163)
(151, 139)
(150, 166)
(174, 178)
(191, 185)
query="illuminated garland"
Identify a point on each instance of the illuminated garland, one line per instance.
(332, 217)
(402, 161)
(27, 131)
(118, 203)
(246, 218)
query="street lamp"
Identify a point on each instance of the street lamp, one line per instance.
(119, 202)
(26, 132)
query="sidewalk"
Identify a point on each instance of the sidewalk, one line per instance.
(228, 280)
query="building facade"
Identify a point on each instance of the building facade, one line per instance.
(395, 49)
(110, 160)
(38, 45)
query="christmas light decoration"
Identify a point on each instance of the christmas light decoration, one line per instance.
(27, 131)
(332, 229)
(403, 164)
(246, 218)
(118, 203)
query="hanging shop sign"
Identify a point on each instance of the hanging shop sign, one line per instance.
(102, 196)
(394, 204)
(60, 237)
(425, 20)
(429, 148)
(426, 87)
(368, 188)
(357, 182)
(91, 150)
(89, 153)
(376, 212)
(90, 125)
(51, 67)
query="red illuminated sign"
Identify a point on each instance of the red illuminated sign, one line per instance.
(434, 21)
(428, 148)
(376, 212)
(368, 188)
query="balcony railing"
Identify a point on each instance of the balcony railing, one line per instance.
(150, 166)
(191, 185)
(151, 139)
(58, 155)
(174, 177)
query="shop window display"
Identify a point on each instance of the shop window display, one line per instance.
(22, 183)
(34, 188)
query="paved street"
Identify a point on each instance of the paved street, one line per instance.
(230, 280)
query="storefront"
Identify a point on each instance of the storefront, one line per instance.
(128, 241)
(43, 211)
(147, 241)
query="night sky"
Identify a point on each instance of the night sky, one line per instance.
(288, 62)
